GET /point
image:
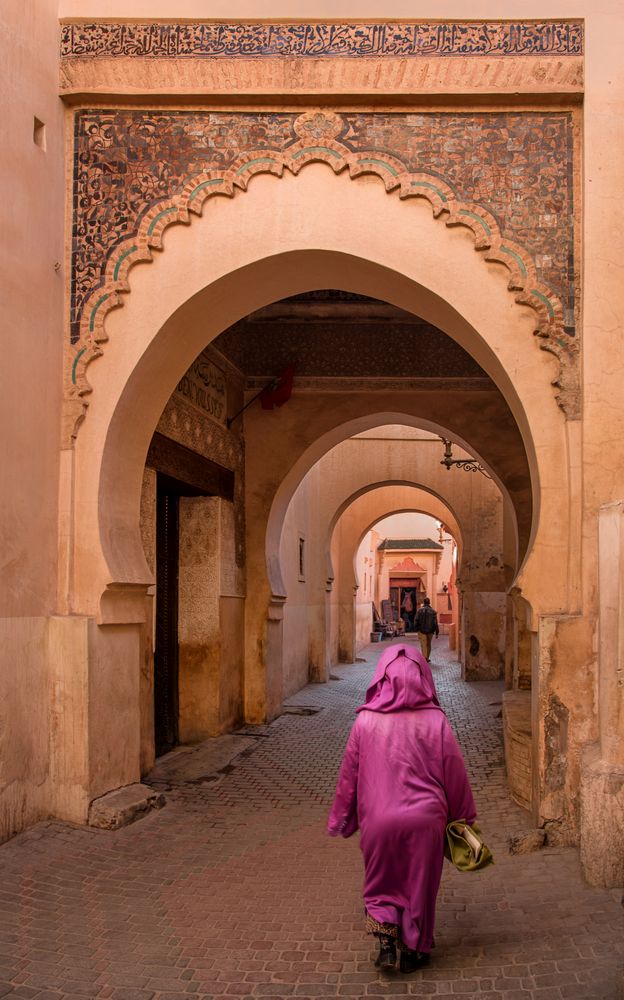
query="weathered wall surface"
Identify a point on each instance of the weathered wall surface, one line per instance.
(603, 421)
(482, 638)
(365, 578)
(209, 621)
(518, 748)
(113, 698)
(32, 206)
(198, 617)
(212, 578)
(33, 274)
(190, 423)
(24, 731)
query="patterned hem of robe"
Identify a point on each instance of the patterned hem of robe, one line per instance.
(375, 927)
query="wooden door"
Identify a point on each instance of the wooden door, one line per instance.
(166, 637)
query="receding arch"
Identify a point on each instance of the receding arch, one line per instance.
(359, 467)
(451, 516)
(359, 514)
(321, 447)
(420, 492)
(450, 523)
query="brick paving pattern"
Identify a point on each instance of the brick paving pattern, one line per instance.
(234, 890)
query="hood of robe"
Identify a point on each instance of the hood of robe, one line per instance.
(403, 680)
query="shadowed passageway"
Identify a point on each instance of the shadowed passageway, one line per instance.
(234, 889)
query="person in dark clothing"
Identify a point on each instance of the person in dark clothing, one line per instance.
(426, 625)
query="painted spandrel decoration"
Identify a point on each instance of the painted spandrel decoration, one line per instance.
(124, 216)
(515, 165)
(204, 386)
(323, 40)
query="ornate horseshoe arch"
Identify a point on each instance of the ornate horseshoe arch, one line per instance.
(318, 140)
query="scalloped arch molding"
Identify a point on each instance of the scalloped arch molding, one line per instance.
(317, 140)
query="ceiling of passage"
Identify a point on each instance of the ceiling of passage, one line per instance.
(336, 334)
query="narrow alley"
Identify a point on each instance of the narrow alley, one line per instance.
(234, 890)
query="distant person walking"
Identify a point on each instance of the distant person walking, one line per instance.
(426, 625)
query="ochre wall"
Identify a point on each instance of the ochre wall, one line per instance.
(301, 608)
(209, 621)
(32, 264)
(32, 208)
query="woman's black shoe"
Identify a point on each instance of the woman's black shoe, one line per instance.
(412, 960)
(386, 958)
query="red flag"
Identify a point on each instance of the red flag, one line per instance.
(278, 391)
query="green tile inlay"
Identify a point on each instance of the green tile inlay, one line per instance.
(380, 163)
(543, 298)
(165, 211)
(316, 149)
(428, 184)
(517, 258)
(473, 215)
(125, 254)
(251, 163)
(97, 305)
(76, 360)
(205, 184)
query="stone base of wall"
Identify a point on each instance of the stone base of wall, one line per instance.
(602, 821)
(518, 745)
(483, 635)
(124, 806)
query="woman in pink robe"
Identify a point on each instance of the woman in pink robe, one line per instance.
(402, 779)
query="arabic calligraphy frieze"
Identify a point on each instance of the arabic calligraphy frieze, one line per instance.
(322, 40)
(516, 164)
(204, 386)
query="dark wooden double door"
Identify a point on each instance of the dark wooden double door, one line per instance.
(166, 630)
(180, 473)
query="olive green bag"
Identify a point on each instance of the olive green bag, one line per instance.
(465, 847)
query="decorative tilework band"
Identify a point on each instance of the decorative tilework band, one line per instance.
(317, 40)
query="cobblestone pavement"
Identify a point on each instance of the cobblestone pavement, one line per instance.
(233, 889)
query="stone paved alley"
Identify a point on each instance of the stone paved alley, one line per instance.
(234, 890)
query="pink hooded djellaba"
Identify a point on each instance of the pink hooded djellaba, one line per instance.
(402, 779)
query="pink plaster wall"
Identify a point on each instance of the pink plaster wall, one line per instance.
(31, 223)
(32, 207)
